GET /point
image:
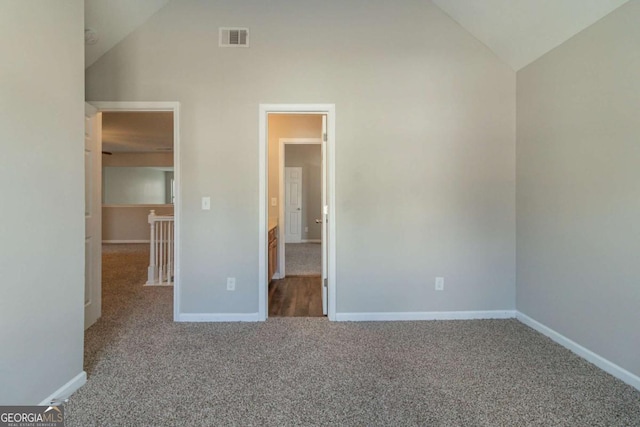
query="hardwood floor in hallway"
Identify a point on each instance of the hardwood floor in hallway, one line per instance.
(296, 296)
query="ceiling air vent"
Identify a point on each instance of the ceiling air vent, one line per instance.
(234, 37)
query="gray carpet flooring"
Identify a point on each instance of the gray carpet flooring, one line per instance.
(145, 370)
(303, 259)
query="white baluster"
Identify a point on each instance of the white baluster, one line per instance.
(170, 249)
(163, 230)
(158, 248)
(151, 271)
(161, 263)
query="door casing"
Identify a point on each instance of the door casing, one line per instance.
(330, 111)
(174, 107)
(93, 215)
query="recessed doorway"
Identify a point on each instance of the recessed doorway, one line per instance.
(141, 187)
(297, 214)
(296, 290)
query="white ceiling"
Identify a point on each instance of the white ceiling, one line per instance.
(518, 31)
(113, 20)
(521, 31)
(137, 132)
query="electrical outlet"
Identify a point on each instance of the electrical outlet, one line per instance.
(231, 283)
(274, 201)
(439, 283)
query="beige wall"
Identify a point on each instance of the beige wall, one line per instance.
(121, 224)
(287, 126)
(309, 158)
(578, 199)
(425, 145)
(42, 187)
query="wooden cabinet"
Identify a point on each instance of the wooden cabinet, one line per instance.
(273, 253)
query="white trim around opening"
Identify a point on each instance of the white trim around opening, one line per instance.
(177, 210)
(263, 209)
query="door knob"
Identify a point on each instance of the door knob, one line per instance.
(299, 208)
(318, 221)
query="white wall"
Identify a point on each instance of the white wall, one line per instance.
(425, 150)
(42, 187)
(578, 192)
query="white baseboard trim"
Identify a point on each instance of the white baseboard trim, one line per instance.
(218, 317)
(155, 285)
(66, 390)
(311, 241)
(602, 363)
(425, 315)
(124, 241)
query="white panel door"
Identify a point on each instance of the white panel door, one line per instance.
(92, 216)
(325, 222)
(293, 205)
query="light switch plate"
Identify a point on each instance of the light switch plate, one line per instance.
(206, 203)
(274, 201)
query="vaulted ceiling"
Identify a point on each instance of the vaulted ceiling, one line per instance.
(521, 31)
(113, 20)
(518, 31)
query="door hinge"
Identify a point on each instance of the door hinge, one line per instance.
(324, 137)
(325, 283)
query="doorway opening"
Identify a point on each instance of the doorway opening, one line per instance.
(297, 215)
(141, 195)
(296, 289)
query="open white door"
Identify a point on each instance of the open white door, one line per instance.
(293, 204)
(325, 220)
(92, 215)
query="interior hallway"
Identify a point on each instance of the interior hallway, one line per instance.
(300, 293)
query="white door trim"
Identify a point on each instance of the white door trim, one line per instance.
(93, 216)
(263, 208)
(282, 142)
(177, 207)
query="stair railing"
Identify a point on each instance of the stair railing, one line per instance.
(161, 250)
